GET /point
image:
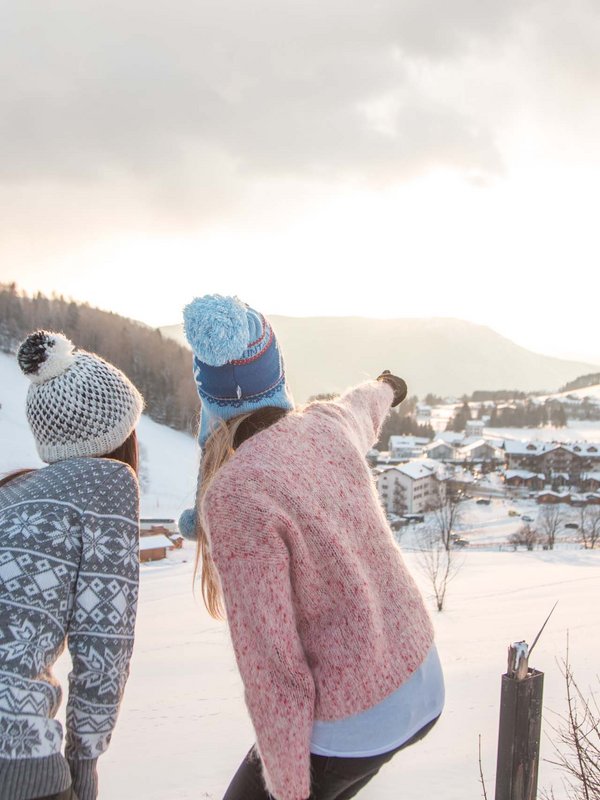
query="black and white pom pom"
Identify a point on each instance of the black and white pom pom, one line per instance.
(45, 355)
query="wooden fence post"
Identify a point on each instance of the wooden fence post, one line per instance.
(520, 728)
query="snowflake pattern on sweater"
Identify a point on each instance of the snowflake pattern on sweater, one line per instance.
(68, 574)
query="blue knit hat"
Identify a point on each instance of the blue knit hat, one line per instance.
(238, 366)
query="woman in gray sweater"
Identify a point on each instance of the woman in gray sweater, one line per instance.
(68, 571)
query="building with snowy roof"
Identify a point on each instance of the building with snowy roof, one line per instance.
(591, 481)
(549, 497)
(517, 478)
(154, 548)
(149, 526)
(411, 488)
(572, 458)
(406, 447)
(474, 427)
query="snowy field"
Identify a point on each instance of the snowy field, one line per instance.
(575, 431)
(183, 727)
(488, 527)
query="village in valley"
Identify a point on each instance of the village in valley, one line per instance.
(505, 489)
(518, 488)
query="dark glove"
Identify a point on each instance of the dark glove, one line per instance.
(398, 385)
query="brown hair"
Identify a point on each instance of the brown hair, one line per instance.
(219, 448)
(16, 474)
(128, 453)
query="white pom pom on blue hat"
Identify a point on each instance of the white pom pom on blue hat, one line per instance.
(216, 328)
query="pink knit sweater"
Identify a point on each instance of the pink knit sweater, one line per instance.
(325, 619)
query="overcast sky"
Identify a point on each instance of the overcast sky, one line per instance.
(379, 157)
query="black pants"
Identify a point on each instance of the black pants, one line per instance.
(332, 778)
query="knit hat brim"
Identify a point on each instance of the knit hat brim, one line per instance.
(99, 445)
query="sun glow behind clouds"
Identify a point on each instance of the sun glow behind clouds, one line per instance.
(512, 255)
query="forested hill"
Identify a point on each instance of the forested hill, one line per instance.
(593, 379)
(158, 366)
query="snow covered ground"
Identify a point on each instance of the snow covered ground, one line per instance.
(183, 727)
(575, 431)
(488, 527)
(591, 392)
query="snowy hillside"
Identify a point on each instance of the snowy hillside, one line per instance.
(591, 392)
(183, 726)
(168, 458)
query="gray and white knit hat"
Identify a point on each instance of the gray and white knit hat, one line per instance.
(77, 404)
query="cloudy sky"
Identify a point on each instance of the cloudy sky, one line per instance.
(377, 158)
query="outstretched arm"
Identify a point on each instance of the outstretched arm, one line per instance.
(365, 407)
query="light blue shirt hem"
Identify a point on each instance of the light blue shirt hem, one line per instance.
(389, 724)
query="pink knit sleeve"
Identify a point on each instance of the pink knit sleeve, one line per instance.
(278, 683)
(365, 408)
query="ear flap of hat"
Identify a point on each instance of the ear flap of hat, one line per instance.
(216, 328)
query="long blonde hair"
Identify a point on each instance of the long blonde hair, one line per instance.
(217, 451)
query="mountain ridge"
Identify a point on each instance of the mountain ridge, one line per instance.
(442, 355)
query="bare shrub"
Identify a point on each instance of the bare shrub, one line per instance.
(526, 537)
(589, 526)
(550, 518)
(437, 563)
(576, 741)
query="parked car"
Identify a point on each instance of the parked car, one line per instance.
(460, 542)
(527, 518)
(414, 517)
(513, 513)
(573, 525)
(483, 501)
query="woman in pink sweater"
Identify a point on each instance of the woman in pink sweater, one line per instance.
(331, 636)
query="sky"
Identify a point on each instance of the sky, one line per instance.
(384, 158)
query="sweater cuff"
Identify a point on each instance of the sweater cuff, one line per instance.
(85, 777)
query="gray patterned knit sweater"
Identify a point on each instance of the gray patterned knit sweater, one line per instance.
(68, 572)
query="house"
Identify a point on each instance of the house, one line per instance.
(548, 497)
(440, 450)
(522, 478)
(176, 540)
(525, 455)
(590, 481)
(423, 413)
(474, 427)
(406, 447)
(154, 548)
(479, 450)
(150, 526)
(552, 457)
(410, 488)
